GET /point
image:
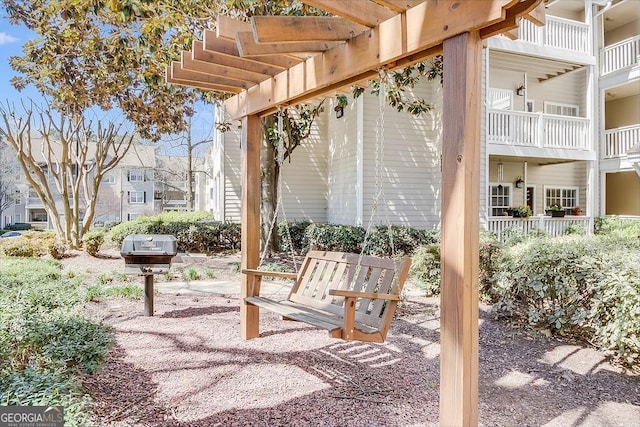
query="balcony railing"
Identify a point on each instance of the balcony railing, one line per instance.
(538, 130)
(618, 141)
(558, 33)
(551, 226)
(619, 56)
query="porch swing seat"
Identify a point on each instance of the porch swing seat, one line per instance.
(352, 296)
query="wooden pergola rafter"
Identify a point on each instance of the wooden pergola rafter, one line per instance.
(275, 61)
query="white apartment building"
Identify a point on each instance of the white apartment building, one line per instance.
(561, 126)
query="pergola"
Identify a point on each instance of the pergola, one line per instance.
(276, 61)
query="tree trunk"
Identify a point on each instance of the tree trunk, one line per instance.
(269, 174)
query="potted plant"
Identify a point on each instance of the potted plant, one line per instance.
(555, 210)
(522, 212)
(576, 211)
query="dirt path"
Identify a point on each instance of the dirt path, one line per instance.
(187, 366)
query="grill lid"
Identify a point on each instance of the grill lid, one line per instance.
(151, 245)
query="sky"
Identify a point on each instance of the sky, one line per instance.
(12, 37)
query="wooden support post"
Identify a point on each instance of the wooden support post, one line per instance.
(460, 230)
(148, 294)
(250, 239)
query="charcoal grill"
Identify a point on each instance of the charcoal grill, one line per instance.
(146, 255)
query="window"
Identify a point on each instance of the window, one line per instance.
(18, 200)
(566, 197)
(108, 179)
(571, 110)
(39, 217)
(132, 216)
(135, 175)
(18, 217)
(499, 198)
(137, 197)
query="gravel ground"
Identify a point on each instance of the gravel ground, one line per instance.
(188, 366)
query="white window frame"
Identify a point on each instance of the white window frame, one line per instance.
(564, 108)
(109, 179)
(132, 216)
(138, 199)
(18, 218)
(491, 206)
(136, 175)
(530, 106)
(562, 197)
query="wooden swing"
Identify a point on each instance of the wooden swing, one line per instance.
(353, 296)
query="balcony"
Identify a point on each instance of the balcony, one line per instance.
(618, 141)
(551, 226)
(619, 56)
(539, 130)
(557, 33)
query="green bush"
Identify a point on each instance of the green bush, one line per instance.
(587, 287)
(194, 231)
(425, 268)
(93, 241)
(297, 232)
(34, 244)
(331, 237)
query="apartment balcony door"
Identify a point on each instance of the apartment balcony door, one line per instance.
(530, 198)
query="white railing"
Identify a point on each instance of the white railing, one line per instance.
(566, 132)
(538, 130)
(619, 140)
(557, 32)
(618, 56)
(551, 226)
(500, 98)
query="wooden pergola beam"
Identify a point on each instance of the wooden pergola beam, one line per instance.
(398, 5)
(388, 45)
(214, 69)
(248, 64)
(177, 72)
(362, 12)
(278, 29)
(247, 46)
(229, 47)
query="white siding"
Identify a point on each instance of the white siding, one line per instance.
(304, 179)
(342, 162)
(232, 175)
(410, 174)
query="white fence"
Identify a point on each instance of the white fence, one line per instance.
(621, 55)
(618, 141)
(558, 33)
(538, 130)
(551, 226)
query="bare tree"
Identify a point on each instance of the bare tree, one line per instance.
(65, 172)
(8, 181)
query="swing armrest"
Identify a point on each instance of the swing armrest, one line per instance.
(356, 294)
(278, 274)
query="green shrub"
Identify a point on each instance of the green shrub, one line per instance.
(191, 273)
(18, 247)
(330, 237)
(297, 232)
(587, 287)
(93, 241)
(490, 256)
(194, 231)
(425, 268)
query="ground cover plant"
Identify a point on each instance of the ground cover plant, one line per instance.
(45, 342)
